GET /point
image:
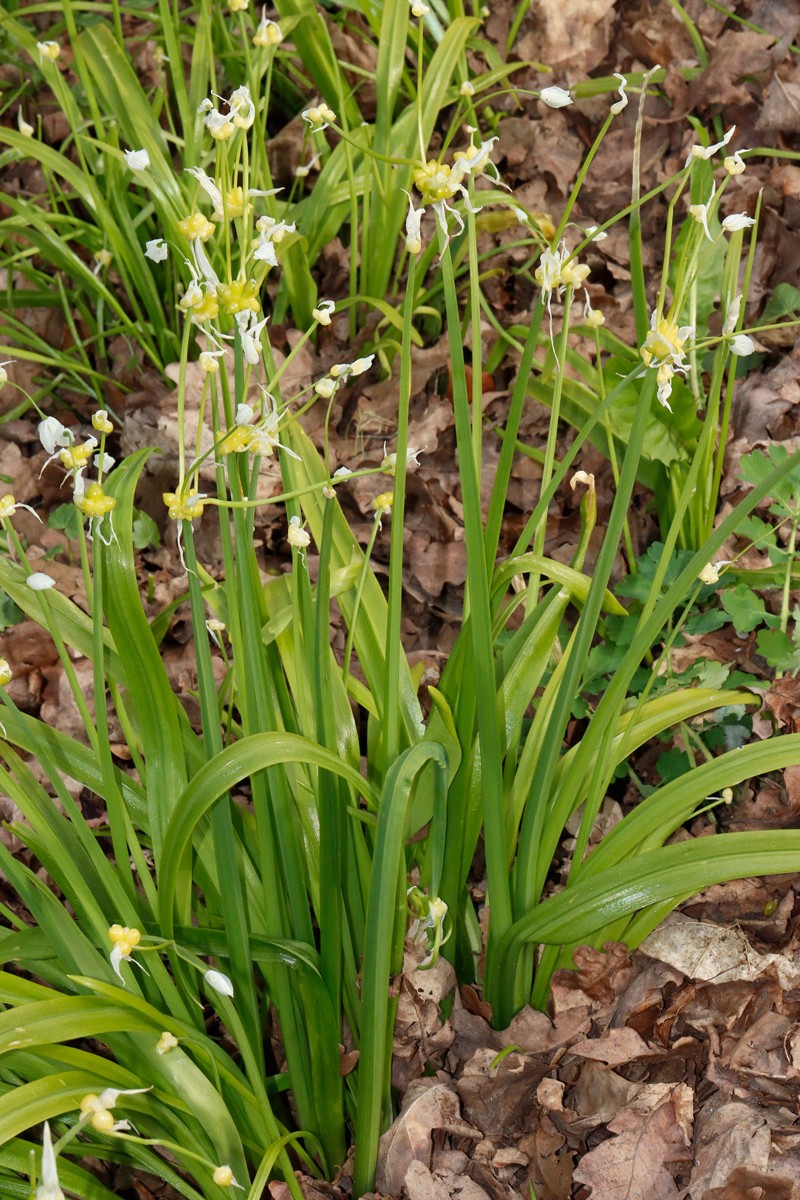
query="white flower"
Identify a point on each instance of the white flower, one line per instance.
(98, 1109)
(210, 188)
(700, 214)
(297, 536)
(709, 574)
(268, 32)
(50, 50)
(555, 97)
(39, 582)
(618, 105)
(737, 221)
(591, 231)
(325, 387)
(156, 249)
(742, 345)
(732, 315)
(223, 1177)
(707, 152)
(242, 108)
(250, 334)
(208, 361)
(25, 128)
(734, 164)
(137, 160)
(306, 168)
(219, 982)
(342, 473)
(413, 221)
(53, 434)
(390, 460)
(418, 9)
(4, 372)
(244, 415)
(322, 313)
(265, 251)
(49, 1187)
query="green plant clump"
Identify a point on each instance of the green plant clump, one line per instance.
(252, 871)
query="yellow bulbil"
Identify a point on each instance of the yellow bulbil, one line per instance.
(184, 506)
(433, 182)
(7, 506)
(237, 440)
(239, 295)
(95, 503)
(234, 202)
(196, 225)
(78, 456)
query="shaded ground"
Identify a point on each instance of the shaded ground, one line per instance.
(670, 1073)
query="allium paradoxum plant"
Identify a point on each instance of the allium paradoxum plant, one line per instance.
(668, 346)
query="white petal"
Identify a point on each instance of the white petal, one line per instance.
(555, 97)
(219, 982)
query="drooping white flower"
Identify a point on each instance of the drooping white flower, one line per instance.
(737, 221)
(268, 32)
(210, 188)
(48, 50)
(742, 345)
(706, 152)
(97, 1108)
(242, 108)
(219, 982)
(250, 333)
(137, 160)
(52, 434)
(413, 222)
(555, 97)
(325, 387)
(208, 361)
(734, 164)
(709, 574)
(701, 213)
(156, 249)
(25, 127)
(322, 313)
(296, 536)
(342, 473)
